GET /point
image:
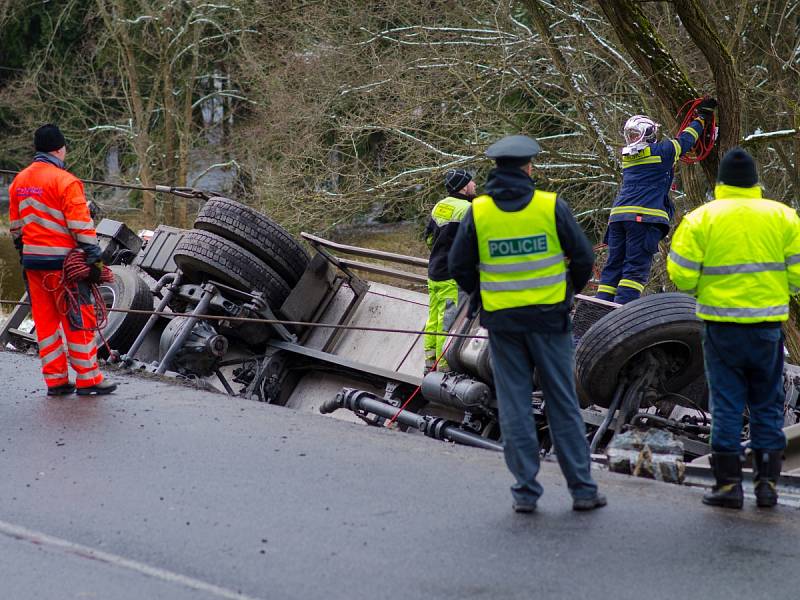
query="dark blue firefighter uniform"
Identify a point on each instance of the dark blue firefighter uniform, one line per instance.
(641, 215)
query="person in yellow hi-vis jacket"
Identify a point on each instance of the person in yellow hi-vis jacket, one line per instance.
(439, 235)
(739, 255)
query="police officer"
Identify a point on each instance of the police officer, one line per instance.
(642, 211)
(740, 256)
(439, 235)
(49, 218)
(512, 247)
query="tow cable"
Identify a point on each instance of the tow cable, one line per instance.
(705, 143)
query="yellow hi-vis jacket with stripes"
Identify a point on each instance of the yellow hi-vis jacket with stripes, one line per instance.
(521, 259)
(739, 255)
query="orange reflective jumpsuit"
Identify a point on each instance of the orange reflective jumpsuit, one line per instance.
(49, 216)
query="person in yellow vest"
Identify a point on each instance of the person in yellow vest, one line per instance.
(439, 235)
(739, 255)
(522, 250)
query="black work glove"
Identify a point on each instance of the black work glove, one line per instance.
(95, 272)
(18, 247)
(706, 108)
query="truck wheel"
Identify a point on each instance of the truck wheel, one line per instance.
(666, 321)
(255, 232)
(127, 291)
(201, 254)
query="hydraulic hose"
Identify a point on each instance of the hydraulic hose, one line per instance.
(360, 401)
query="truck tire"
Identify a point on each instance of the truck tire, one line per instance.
(128, 291)
(202, 254)
(665, 320)
(255, 232)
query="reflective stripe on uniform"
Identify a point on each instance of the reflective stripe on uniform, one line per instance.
(54, 354)
(87, 375)
(56, 337)
(677, 145)
(639, 210)
(46, 250)
(41, 206)
(793, 259)
(606, 289)
(50, 376)
(630, 283)
(86, 239)
(46, 223)
(684, 262)
(692, 132)
(80, 224)
(530, 265)
(83, 362)
(522, 284)
(744, 268)
(719, 311)
(85, 348)
(15, 223)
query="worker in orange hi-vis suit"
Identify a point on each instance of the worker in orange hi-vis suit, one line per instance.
(50, 217)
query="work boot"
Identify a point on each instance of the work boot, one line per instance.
(596, 501)
(727, 469)
(100, 389)
(766, 470)
(61, 390)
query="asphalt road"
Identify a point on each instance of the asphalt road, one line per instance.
(161, 491)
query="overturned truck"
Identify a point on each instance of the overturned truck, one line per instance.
(238, 305)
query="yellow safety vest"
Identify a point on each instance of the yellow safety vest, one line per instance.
(521, 259)
(740, 256)
(449, 210)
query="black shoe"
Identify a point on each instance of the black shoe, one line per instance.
(766, 471)
(101, 389)
(61, 390)
(596, 501)
(524, 507)
(727, 493)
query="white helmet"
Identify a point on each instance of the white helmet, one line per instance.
(639, 131)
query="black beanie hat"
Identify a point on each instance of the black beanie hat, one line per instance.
(455, 180)
(48, 138)
(737, 168)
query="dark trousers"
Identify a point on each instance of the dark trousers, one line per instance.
(514, 356)
(744, 368)
(631, 247)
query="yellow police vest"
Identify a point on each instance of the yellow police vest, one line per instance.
(740, 256)
(521, 259)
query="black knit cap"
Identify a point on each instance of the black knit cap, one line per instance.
(455, 180)
(48, 138)
(737, 168)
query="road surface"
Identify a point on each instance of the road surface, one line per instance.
(162, 491)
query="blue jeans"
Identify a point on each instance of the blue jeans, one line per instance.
(744, 368)
(514, 356)
(631, 247)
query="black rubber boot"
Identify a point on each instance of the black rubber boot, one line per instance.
(766, 471)
(101, 389)
(727, 468)
(61, 390)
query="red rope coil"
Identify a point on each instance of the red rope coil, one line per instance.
(705, 143)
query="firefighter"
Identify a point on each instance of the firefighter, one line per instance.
(512, 246)
(49, 217)
(643, 210)
(740, 256)
(439, 234)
